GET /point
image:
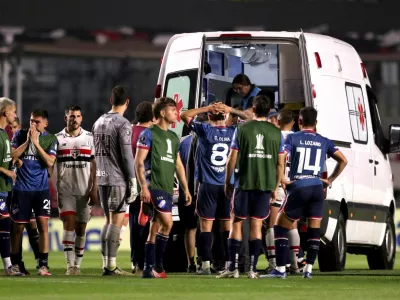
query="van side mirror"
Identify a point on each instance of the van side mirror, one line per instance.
(394, 138)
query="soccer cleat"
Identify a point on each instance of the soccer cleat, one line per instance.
(143, 214)
(253, 275)
(307, 275)
(70, 271)
(119, 272)
(301, 265)
(161, 274)
(206, 271)
(275, 274)
(77, 271)
(14, 271)
(191, 269)
(134, 268)
(44, 271)
(22, 269)
(229, 274)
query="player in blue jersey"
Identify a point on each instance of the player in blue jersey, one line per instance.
(308, 151)
(37, 148)
(214, 140)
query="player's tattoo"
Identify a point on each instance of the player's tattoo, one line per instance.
(141, 174)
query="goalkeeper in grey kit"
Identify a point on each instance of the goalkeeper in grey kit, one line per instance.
(115, 175)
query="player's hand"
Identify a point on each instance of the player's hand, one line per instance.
(188, 198)
(286, 183)
(17, 162)
(132, 191)
(326, 182)
(93, 196)
(12, 175)
(228, 190)
(34, 134)
(145, 195)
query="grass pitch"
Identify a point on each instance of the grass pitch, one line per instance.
(357, 282)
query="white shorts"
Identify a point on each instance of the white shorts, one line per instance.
(74, 205)
(280, 198)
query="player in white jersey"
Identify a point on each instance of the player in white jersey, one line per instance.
(285, 121)
(76, 185)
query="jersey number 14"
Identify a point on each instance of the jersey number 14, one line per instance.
(304, 160)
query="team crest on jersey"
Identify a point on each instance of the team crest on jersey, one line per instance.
(259, 145)
(75, 153)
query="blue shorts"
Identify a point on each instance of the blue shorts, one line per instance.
(306, 201)
(3, 207)
(23, 202)
(253, 204)
(162, 201)
(212, 202)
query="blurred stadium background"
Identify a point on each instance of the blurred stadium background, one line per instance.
(54, 53)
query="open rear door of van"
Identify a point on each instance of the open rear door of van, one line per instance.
(306, 70)
(181, 72)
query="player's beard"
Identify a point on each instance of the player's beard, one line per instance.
(73, 126)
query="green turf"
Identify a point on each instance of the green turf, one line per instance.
(355, 283)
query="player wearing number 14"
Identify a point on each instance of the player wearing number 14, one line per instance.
(214, 140)
(308, 151)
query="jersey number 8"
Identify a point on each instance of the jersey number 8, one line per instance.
(222, 154)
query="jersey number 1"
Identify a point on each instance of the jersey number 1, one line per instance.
(304, 160)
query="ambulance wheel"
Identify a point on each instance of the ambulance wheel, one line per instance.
(383, 257)
(332, 256)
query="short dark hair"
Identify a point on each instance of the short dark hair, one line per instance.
(17, 120)
(72, 107)
(270, 94)
(308, 116)
(285, 117)
(261, 106)
(241, 79)
(161, 104)
(40, 113)
(119, 95)
(144, 112)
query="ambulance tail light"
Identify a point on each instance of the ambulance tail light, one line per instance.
(158, 91)
(364, 72)
(318, 60)
(161, 60)
(314, 93)
(235, 36)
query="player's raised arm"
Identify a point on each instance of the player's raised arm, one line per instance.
(49, 158)
(215, 108)
(241, 114)
(17, 148)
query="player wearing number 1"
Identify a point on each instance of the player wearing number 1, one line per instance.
(115, 173)
(308, 152)
(37, 148)
(214, 140)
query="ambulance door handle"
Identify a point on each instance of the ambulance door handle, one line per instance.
(376, 162)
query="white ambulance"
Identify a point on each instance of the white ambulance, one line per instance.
(304, 69)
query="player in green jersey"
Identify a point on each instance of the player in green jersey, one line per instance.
(257, 154)
(157, 159)
(7, 177)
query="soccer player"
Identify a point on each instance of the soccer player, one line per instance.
(76, 185)
(138, 211)
(285, 121)
(257, 148)
(214, 140)
(156, 161)
(7, 117)
(37, 148)
(115, 174)
(308, 151)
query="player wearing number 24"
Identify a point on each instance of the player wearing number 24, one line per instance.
(214, 140)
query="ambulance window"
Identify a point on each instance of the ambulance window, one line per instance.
(181, 86)
(358, 119)
(379, 137)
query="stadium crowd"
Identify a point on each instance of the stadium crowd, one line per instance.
(234, 164)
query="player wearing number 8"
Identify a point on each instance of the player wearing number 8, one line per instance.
(308, 151)
(214, 140)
